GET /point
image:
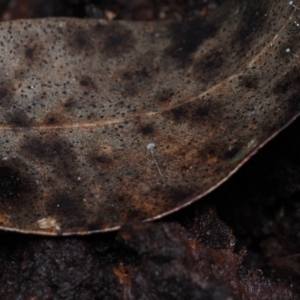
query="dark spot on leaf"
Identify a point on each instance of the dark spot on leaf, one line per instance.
(290, 81)
(120, 199)
(214, 60)
(143, 73)
(188, 36)
(62, 204)
(87, 83)
(19, 119)
(102, 159)
(34, 56)
(118, 40)
(52, 120)
(252, 21)
(177, 195)
(211, 109)
(209, 65)
(55, 152)
(134, 215)
(10, 183)
(135, 81)
(55, 118)
(46, 150)
(29, 52)
(178, 112)
(94, 226)
(127, 75)
(292, 104)
(70, 104)
(196, 113)
(6, 96)
(84, 82)
(250, 82)
(3, 93)
(80, 40)
(103, 163)
(147, 129)
(164, 96)
(202, 111)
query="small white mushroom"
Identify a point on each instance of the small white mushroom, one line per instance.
(288, 50)
(292, 4)
(151, 147)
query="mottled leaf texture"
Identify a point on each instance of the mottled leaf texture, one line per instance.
(103, 122)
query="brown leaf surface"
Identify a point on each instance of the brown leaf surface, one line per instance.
(81, 100)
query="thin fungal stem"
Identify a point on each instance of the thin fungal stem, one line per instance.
(150, 147)
(292, 4)
(288, 50)
(156, 162)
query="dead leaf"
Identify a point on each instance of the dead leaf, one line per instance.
(104, 122)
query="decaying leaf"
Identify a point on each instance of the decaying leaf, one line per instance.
(107, 122)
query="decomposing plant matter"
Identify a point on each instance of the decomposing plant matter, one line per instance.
(82, 99)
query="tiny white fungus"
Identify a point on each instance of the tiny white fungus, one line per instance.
(288, 50)
(292, 4)
(150, 147)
